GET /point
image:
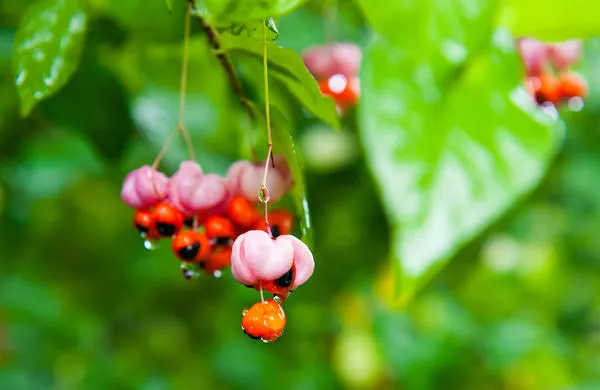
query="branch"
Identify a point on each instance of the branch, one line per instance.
(225, 62)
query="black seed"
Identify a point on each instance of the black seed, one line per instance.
(252, 337)
(189, 222)
(202, 265)
(275, 231)
(165, 229)
(189, 252)
(222, 240)
(141, 229)
(286, 279)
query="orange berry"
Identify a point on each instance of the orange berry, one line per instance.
(218, 259)
(219, 228)
(167, 219)
(242, 212)
(190, 246)
(144, 223)
(264, 320)
(572, 85)
(548, 90)
(281, 222)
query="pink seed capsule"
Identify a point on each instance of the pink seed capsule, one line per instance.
(534, 54)
(256, 257)
(191, 191)
(565, 54)
(335, 58)
(144, 187)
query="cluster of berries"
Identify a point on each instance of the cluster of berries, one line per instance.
(214, 223)
(548, 76)
(336, 67)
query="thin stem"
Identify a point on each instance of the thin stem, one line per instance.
(262, 295)
(330, 20)
(182, 90)
(162, 152)
(264, 190)
(266, 78)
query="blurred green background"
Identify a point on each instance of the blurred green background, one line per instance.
(84, 306)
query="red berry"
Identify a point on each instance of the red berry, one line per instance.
(220, 229)
(264, 320)
(144, 223)
(280, 286)
(242, 212)
(345, 91)
(544, 88)
(572, 85)
(281, 222)
(191, 246)
(218, 259)
(167, 219)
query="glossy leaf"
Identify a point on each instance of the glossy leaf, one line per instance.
(283, 143)
(444, 175)
(286, 66)
(245, 10)
(47, 49)
(552, 20)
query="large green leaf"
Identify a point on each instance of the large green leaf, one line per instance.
(552, 20)
(47, 49)
(449, 154)
(245, 10)
(287, 67)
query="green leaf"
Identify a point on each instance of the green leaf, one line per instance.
(450, 155)
(169, 4)
(287, 67)
(222, 11)
(551, 20)
(283, 143)
(48, 45)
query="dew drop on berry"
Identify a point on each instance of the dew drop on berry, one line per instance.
(244, 312)
(150, 245)
(217, 274)
(277, 299)
(266, 341)
(188, 271)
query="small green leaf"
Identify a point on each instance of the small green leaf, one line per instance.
(283, 143)
(286, 66)
(48, 45)
(449, 156)
(222, 11)
(169, 4)
(552, 20)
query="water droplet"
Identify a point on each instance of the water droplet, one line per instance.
(189, 271)
(38, 55)
(21, 78)
(277, 299)
(266, 341)
(263, 195)
(38, 94)
(150, 245)
(337, 83)
(217, 274)
(244, 312)
(575, 103)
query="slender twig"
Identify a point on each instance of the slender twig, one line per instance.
(182, 89)
(264, 191)
(226, 63)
